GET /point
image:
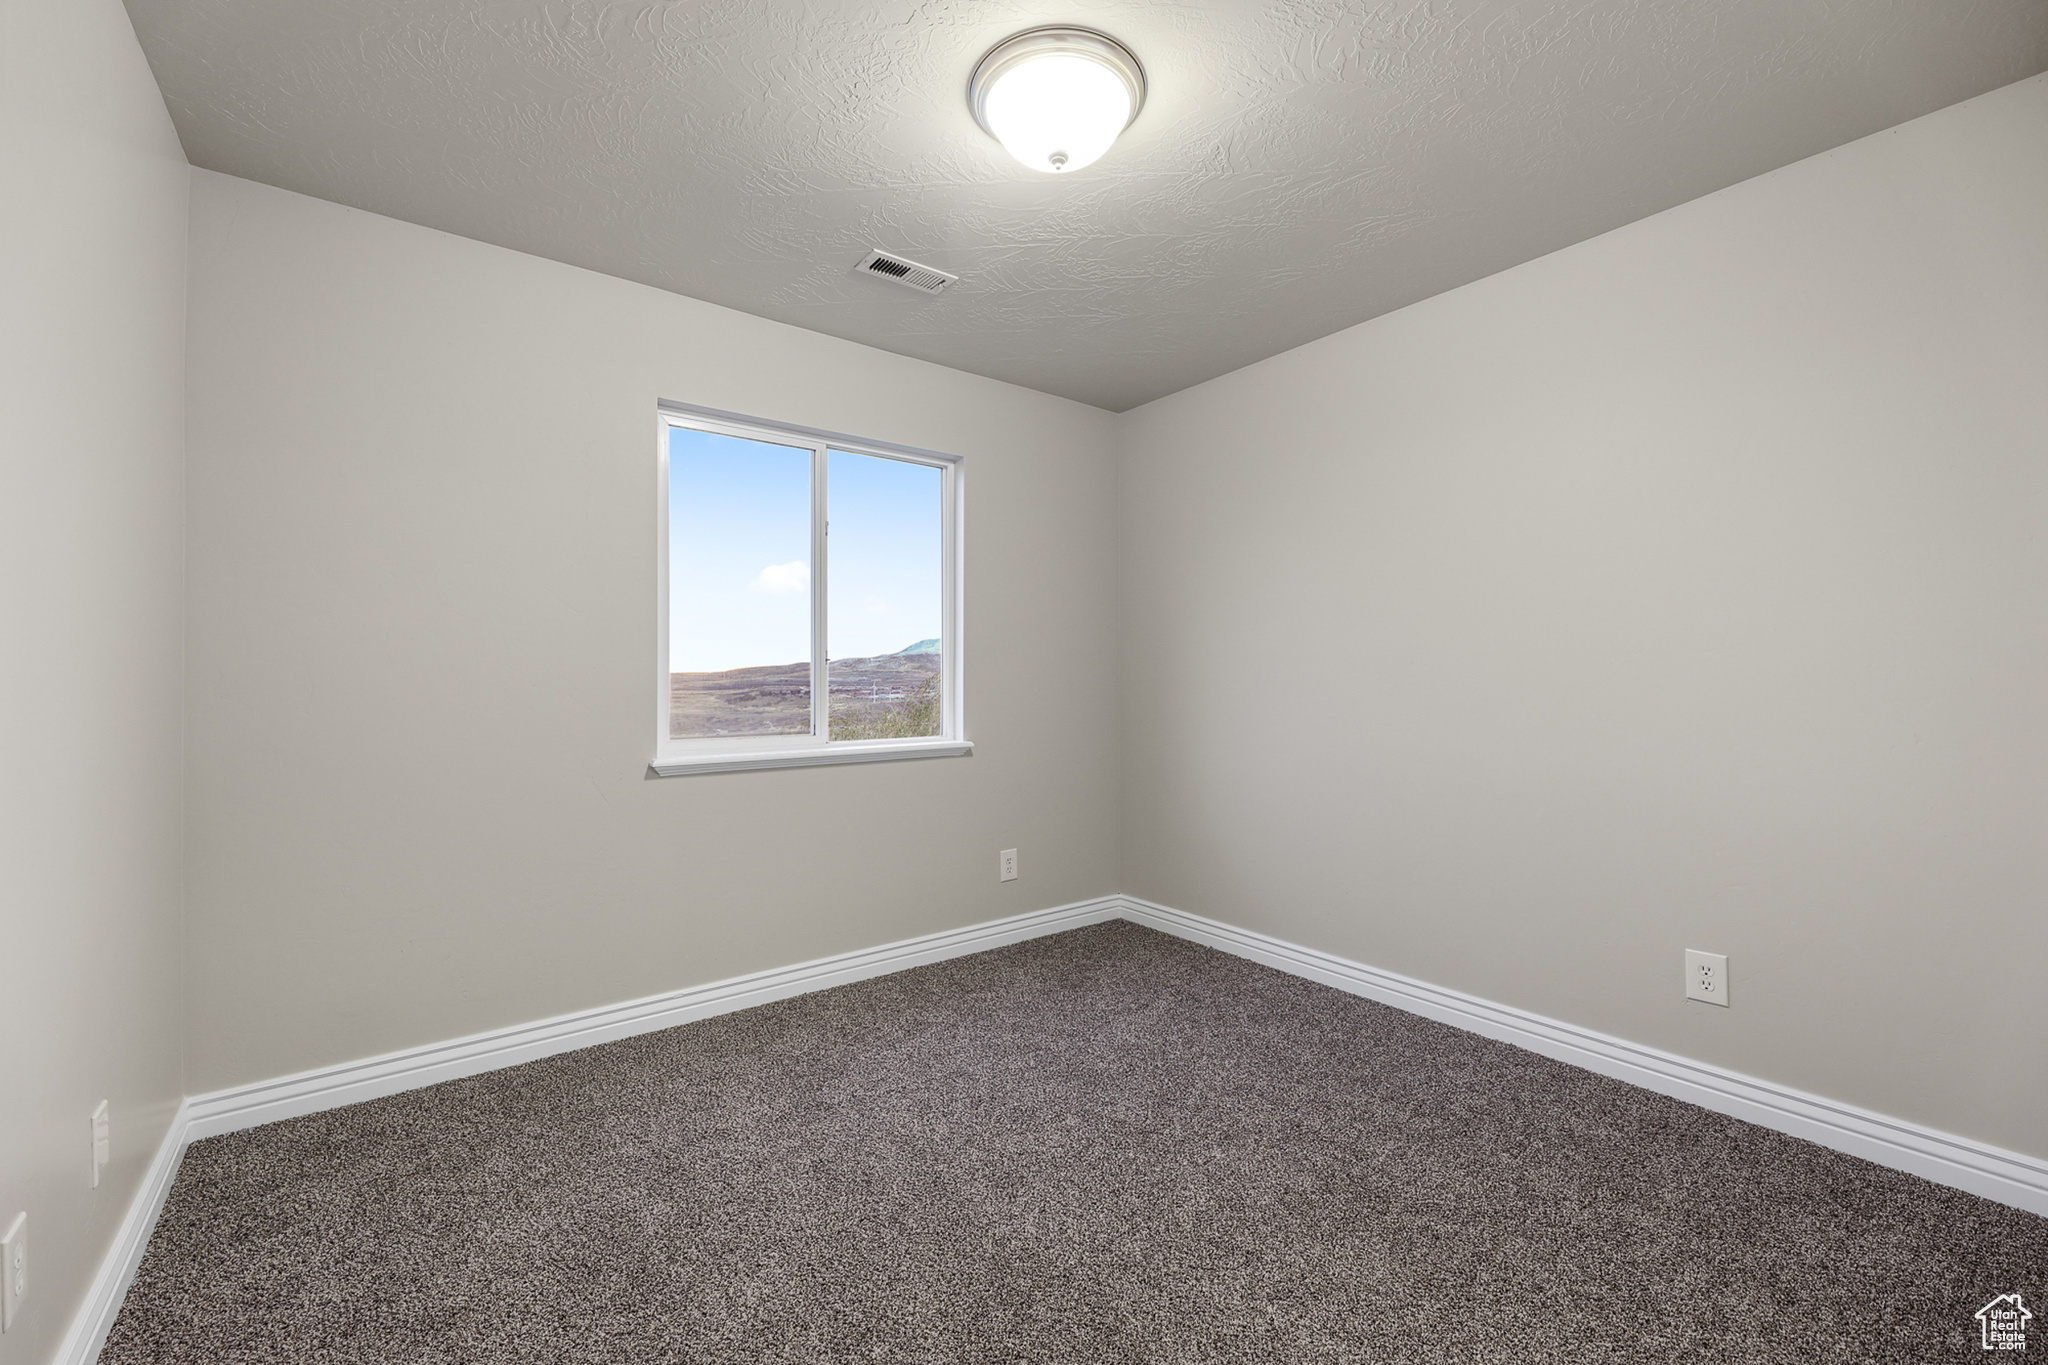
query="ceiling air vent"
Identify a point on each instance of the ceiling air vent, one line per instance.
(922, 278)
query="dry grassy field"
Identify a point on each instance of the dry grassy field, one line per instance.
(886, 696)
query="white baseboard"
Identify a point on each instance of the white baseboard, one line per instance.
(1961, 1163)
(2007, 1177)
(329, 1087)
(103, 1301)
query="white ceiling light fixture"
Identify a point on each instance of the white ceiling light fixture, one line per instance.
(1056, 98)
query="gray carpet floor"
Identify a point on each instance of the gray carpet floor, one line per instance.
(1109, 1145)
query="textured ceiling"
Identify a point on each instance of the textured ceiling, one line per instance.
(1300, 165)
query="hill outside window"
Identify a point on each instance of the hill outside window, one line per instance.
(809, 598)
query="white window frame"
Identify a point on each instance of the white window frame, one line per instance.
(680, 757)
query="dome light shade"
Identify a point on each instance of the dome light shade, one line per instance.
(1056, 98)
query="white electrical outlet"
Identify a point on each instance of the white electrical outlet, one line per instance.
(102, 1145)
(13, 1270)
(1706, 977)
(1006, 865)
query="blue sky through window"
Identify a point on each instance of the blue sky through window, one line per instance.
(883, 556)
(739, 553)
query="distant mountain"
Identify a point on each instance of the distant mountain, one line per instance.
(921, 647)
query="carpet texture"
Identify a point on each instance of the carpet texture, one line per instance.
(1108, 1145)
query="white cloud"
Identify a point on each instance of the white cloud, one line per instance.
(794, 576)
(878, 606)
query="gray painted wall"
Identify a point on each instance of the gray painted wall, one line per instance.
(1686, 588)
(422, 507)
(92, 321)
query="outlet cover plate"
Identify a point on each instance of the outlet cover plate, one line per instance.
(13, 1270)
(102, 1144)
(1706, 977)
(1006, 865)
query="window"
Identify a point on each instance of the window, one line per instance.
(809, 598)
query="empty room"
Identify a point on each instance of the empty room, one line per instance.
(703, 681)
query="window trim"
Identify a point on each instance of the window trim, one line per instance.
(677, 758)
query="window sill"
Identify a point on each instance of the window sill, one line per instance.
(671, 765)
